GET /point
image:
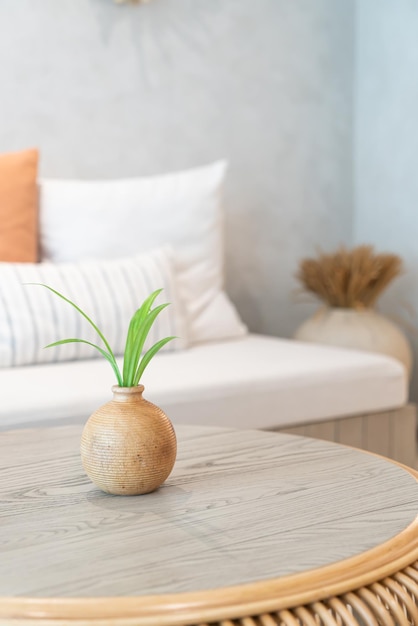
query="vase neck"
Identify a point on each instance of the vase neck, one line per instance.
(122, 394)
(348, 310)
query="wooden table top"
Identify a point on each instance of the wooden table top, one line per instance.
(240, 507)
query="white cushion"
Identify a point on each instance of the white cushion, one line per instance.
(111, 218)
(108, 291)
(253, 382)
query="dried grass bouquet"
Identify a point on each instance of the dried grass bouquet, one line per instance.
(349, 278)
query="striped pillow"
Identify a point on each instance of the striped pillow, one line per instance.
(108, 291)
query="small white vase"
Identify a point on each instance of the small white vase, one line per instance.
(357, 329)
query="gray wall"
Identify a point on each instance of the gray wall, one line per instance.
(113, 91)
(386, 146)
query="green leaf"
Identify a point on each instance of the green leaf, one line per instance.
(106, 355)
(139, 328)
(148, 356)
(98, 331)
(130, 346)
(138, 342)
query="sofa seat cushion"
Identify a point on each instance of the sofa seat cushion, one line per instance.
(252, 382)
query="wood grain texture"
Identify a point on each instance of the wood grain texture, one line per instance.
(389, 433)
(236, 530)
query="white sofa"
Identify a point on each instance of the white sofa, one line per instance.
(216, 374)
(256, 382)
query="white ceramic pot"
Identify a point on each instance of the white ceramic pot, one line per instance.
(358, 329)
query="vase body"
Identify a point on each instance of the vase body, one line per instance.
(128, 446)
(359, 329)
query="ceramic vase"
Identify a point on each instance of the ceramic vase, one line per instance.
(359, 329)
(128, 446)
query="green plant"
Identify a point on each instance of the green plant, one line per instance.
(134, 362)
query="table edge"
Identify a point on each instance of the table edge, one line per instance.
(233, 602)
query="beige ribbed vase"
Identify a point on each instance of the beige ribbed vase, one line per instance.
(128, 446)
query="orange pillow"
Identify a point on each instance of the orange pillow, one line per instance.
(19, 207)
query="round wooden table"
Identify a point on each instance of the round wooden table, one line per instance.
(251, 529)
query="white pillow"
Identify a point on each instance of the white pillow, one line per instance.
(105, 219)
(108, 291)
